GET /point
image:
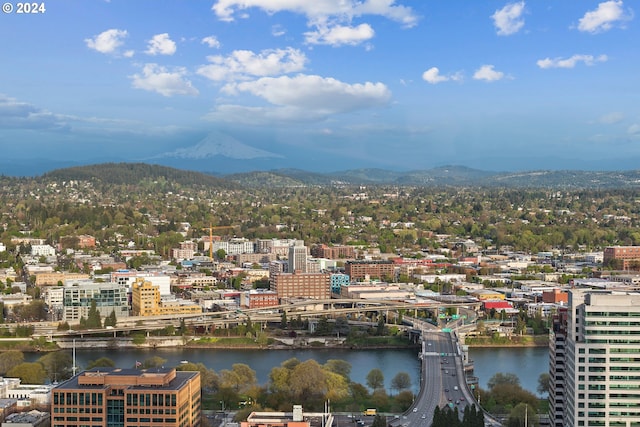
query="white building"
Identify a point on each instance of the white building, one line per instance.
(127, 277)
(109, 297)
(235, 246)
(602, 371)
(43, 250)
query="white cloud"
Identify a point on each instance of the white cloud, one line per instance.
(156, 78)
(508, 20)
(340, 35)
(161, 44)
(212, 42)
(634, 130)
(242, 64)
(304, 97)
(487, 73)
(604, 17)
(611, 118)
(570, 62)
(108, 41)
(320, 10)
(278, 31)
(433, 76)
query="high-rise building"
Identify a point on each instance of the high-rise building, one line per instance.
(128, 397)
(602, 360)
(297, 258)
(557, 343)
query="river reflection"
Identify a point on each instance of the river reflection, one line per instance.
(526, 363)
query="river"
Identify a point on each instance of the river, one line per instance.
(526, 363)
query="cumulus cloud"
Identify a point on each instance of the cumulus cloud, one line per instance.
(211, 41)
(487, 73)
(243, 64)
(331, 20)
(433, 76)
(156, 78)
(303, 98)
(608, 14)
(320, 10)
(508, 20)
(340, 35)
(108, 41)
(634, 130)
(161, 44)
(570, 62)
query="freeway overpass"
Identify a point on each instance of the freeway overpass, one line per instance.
(307, 309)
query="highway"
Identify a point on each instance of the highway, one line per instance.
(443, 381)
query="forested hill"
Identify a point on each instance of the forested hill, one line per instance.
(135, 173)
(448, 176)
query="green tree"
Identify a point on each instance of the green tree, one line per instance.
(111, 319)
(103, 362)
(375, 379)
(338, 366)
(9, 359)
(153, 362)
(93, 317)
(240, 378)
(379, 421)
(543, 383)
(208, 378)
(521, 412)
(58, 365)
(401, 381)
(28, 372)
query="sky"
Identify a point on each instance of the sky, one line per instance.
(322, 85)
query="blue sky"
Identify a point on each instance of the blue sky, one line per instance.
(323, 85)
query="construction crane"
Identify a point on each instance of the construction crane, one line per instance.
(211, 228)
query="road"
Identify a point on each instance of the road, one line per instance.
(443, 381)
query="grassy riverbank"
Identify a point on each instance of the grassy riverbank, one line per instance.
(512, 341)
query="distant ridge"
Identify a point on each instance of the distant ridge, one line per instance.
(444, 176)
(134, 173)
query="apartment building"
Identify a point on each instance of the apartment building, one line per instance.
(557, 342)
(602, 359)
(365, 270)
(333, 252)
(302, 285)
(622, 257)
(101, 397)
(109, 297)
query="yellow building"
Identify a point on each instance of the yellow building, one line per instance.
(146, 301)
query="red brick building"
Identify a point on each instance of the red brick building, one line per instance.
(362, 270)
(622, 257)
(333, 252)
(302, 285)
(555, 296)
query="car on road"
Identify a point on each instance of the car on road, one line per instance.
(415, 409)
(423, 416)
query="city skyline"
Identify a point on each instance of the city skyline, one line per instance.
(237, 85)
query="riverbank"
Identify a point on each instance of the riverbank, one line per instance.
(517, 341)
